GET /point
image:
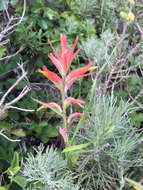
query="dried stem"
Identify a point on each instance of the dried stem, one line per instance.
(9, 56)
(10, 89)
(8, 137)
(21, 109)
(10, 27)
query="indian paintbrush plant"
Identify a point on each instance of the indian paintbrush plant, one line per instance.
(62, 61)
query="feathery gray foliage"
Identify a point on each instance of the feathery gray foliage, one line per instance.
(47, 171)
(114, 145)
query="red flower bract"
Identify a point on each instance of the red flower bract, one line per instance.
(51, 76)
(64, 57)
(62, 61)
(77, 73)
(70, 100)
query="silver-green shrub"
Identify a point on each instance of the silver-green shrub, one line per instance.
(47, 171)
(114, 149)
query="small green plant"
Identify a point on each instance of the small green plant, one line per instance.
(13, 174)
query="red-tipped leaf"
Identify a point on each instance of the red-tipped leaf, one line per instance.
(53, 106)
(74, 101)
(52, 77)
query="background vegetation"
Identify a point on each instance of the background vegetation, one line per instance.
(109, 32)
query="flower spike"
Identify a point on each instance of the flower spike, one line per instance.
(64, 58)
(62, 61)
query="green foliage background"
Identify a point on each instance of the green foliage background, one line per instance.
(92, 21)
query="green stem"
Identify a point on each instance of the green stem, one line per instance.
(64, 111)
(65, 124)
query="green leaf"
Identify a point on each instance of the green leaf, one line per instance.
(74, 157)
(3, 188)
(48, 132)
(44, 138)
(137, 119)
(132, 60)
(51, 131)
(134, 183)
(11, 80)
(4, 115)
(133, 81)
(21, 85)
(20, 180)
(5, 125)
(75, 147)
(43, 24)
(50, 13)
(65, 14)
(13, 114)
(14, 165)
(2, 51)
(37, 8)
(43, 123)
(68, 1)
(18, 132)
(13, 171)
(15, 161)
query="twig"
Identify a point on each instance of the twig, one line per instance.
(25, 90)
(7, 13)
(9, 56)
(95, 154)
(141, 31)
(134, 100)
(8, 137)
(8, 28)
(140, 82)
(4, 42)
(12, 70)
(127, 70)
(101, 149)
(21, 109)
(10, 89)
(107, 57)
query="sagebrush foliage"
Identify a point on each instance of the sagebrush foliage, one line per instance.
(47, 171)
(115, 144)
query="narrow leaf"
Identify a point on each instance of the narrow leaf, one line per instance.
(75, 147)
(15, 161)
(2, 188)
(20, 180)
(18, 132)
(13, 171)
(136, 185)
